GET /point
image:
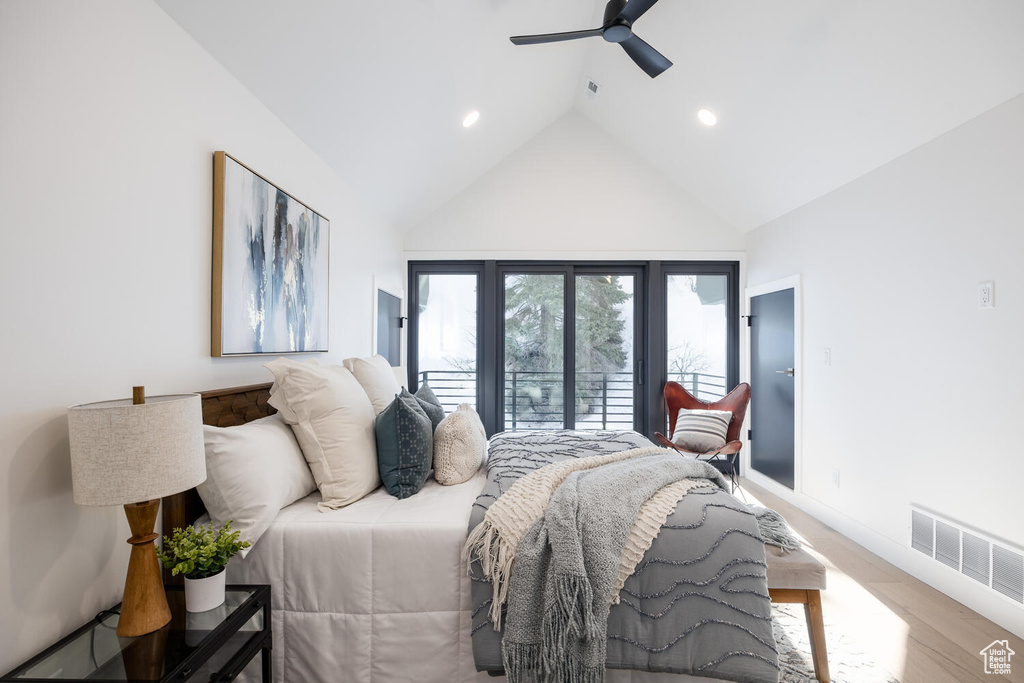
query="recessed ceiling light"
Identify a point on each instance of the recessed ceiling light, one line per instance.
(707, 117)
(471, 118)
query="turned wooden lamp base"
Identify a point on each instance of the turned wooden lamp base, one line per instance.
(144, 606)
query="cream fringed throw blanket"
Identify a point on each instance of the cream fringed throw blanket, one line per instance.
(494, 541)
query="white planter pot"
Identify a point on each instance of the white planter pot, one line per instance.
(204, 594)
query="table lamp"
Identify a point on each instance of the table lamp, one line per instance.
(133, 452)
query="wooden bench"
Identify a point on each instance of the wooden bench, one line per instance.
(797, 577)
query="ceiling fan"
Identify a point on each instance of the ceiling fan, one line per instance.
(619, 16)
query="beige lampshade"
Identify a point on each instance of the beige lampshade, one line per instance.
(123, 453)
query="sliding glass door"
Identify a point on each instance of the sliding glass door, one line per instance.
(572, 345)
(569, 332)
(534, 350)
(697, 333)
(606, 355)
(445, 348)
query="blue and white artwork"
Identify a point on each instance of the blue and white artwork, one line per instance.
(275, 266)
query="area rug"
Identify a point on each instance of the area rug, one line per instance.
(847, 661)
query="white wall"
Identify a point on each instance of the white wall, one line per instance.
(572, 188)
(110, 115)
(922, 403)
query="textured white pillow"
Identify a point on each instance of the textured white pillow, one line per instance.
(460, 446)
(333, 422)
(377, 378)
(252, 471)
(701, 431)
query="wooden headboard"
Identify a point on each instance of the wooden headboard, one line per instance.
(221, 408)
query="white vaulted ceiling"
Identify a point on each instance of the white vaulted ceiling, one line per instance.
(810, 94)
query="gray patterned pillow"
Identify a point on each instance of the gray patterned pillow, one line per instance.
(701, 431)
(405, 445)
(430, 403)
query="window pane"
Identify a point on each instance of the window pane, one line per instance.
(446, 327)
(534, 351)
(604, 351)
(697, 333)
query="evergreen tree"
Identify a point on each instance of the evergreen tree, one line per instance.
(600, 346)
(535, 334)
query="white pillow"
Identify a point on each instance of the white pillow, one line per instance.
(377, 378)
(460, 446)
(333, 422)
(701, 431)
(252, 471)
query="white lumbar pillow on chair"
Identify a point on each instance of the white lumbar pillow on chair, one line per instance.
(701, 431)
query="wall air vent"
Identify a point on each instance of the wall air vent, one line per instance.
(1008, 573)
(922, 533)
(977, 556)
(974, 554)
(947, 544)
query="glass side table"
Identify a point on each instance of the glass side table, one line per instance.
(199, 646)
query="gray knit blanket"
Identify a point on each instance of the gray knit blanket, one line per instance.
(565, 567)
(697, 602)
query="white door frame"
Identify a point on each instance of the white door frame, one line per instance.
(791, 282)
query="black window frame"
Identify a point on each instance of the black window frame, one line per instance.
(650, 327)
(657, 303)
(417, 268)
(569, 270)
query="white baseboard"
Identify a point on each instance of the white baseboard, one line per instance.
(957, 586)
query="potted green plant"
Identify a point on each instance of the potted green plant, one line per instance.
(201, 554)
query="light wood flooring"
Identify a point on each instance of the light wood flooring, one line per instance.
(906, 626)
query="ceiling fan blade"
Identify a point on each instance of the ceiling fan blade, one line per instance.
(555, 37)
(635, 9)
(645, 56)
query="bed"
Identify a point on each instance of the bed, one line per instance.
(377, 591)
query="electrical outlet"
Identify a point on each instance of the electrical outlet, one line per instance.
(828, 356)
(835, 476)
(986, 294)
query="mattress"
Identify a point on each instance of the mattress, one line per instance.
(375, 592)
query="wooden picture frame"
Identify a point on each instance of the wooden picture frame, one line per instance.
(271, 267)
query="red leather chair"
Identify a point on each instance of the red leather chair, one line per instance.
(736, 402)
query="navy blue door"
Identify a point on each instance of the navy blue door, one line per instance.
(772, 385)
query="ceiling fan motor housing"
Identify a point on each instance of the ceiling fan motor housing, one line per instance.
(617, 32)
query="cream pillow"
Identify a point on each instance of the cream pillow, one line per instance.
(333, 421)
(377, 378)
(701, 431)
(460, 446)
(252, 471)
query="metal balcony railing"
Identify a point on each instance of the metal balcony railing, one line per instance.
(535, 400)
(451, 387)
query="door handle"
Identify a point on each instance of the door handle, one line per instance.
(787, 371)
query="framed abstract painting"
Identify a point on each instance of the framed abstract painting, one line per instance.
(271, 267)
